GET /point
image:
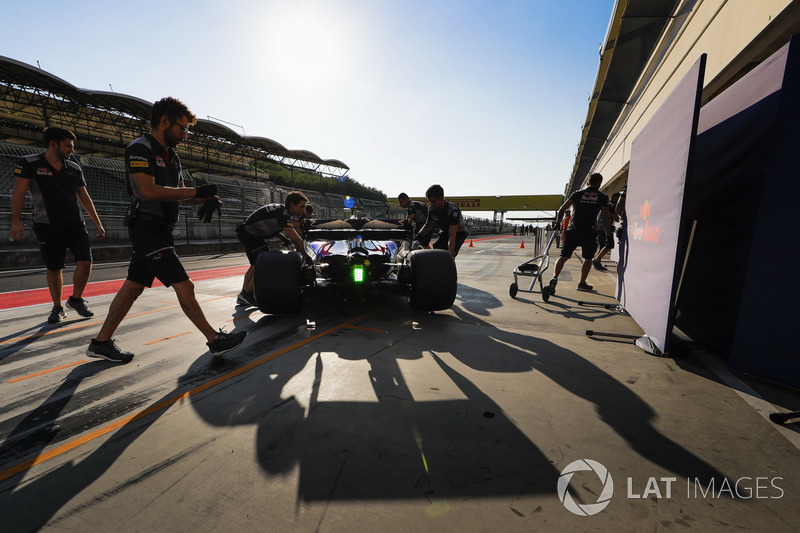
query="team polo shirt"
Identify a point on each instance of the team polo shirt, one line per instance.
(450, 216)
(586, 204)
(146, 155)
(419, 211)
(268, 220)
(55, 198)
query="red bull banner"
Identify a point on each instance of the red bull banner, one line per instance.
(661, 157)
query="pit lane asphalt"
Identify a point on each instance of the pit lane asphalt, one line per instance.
(366, 416)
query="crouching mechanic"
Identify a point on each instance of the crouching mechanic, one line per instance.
(154, 174)
(266, 222)
(447, 216)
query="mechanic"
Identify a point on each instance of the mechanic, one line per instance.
(585, 204)
(418, 214)
(266, 222)
(154, 174)
(606, 241)
(57, 186)
(447, 216)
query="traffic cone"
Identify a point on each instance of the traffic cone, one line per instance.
(522, 244)
(470, 244)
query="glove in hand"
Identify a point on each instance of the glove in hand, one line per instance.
(206, 191)
(206, 211)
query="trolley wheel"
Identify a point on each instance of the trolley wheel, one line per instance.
(512, 290)
(546, 293)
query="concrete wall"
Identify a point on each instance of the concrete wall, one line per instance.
(734, 34)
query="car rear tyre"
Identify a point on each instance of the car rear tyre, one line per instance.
(277, 282)
(434, 280)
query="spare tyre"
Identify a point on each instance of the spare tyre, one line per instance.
(434, 280)
(277, 282)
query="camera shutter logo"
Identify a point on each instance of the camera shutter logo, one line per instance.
(588, 509)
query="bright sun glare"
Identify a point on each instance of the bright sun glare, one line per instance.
(309, 41)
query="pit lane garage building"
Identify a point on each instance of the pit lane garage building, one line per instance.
(695, 109)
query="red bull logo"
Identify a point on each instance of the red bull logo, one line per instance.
(647, 233)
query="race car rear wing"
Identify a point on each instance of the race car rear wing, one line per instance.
(340, 230)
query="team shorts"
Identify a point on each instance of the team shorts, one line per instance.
(573, 239)
(54, 241)
(442, 243)
(154, 255)
(253, 246)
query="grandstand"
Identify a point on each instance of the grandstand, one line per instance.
(105, 122)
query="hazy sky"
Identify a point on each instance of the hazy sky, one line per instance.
(483, 97)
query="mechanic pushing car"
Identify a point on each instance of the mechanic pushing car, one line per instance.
(418, 214)
(266, 222)
(448, 217)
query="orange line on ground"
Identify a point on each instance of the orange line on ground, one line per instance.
(88, 437)
(167, 338)
(47, 371)
(59, 330)
(368, 329)
(42, 334)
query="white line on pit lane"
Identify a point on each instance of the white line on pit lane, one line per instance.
(492, 248)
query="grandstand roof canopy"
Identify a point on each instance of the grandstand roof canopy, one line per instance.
(33, 87)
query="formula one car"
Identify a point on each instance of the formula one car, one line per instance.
(354, 257)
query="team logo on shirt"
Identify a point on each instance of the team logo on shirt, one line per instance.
(160, 162)
(589, 198)
(43, 172)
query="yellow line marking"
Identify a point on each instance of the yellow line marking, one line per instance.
(164, 404)
(47, 371)
(167, 338)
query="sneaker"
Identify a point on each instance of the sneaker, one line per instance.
(225, 342)
(246, 298)
(108, 350)
(552, 285)
(583, 286)
(56, 315)
(598, 265)
(79, 305)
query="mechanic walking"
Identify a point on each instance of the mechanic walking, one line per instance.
(57, 186)
(447, 216)
(581, 231)
(264, 223)
(154, 176)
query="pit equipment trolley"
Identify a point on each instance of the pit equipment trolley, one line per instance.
(534, 269)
